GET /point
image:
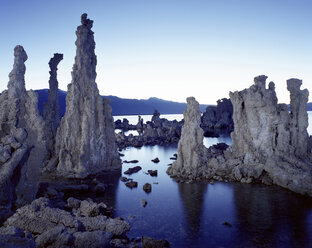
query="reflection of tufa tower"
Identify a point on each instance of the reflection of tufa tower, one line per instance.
(85, 141)
(192, 196)
(263, 213)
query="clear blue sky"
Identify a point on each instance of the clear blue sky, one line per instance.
(169, 49)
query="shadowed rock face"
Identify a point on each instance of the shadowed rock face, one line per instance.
(22, 140)
(51, 109)
(85, 141)
(218, 120)
(191, 150)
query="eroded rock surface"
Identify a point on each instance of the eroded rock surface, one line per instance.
(270, 145)
(191, 150)
(57, 227)
(22, 139)
(51, 109)
(85, 140)
(158, 131)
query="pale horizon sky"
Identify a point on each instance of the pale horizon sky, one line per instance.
(170, 49)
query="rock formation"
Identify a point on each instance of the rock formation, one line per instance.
(264, 128)
(218, 120)
(51, 109)
(83, 224)
(22, 146)
(298, 117)
(85, 142)
(266, 137)
(158, 131)
(270, 145)
(191, 150)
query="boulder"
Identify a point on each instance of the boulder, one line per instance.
(147, 187)
(55, 237)
(94, 239)
(133, 170)
(131, 184)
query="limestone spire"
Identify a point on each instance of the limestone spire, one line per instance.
(191, 150)
(16, 85)
(84, 136)
(51, 110)
(299, 116)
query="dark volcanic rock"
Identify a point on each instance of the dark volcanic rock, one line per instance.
(133, 170)
(147, 187)
(153, 173)
(156, 160)
(131, 161)
(131, 184)
(124, 179)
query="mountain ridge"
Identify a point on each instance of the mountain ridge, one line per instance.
(131, 106)
(125, 106)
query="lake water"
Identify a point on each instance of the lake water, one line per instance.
(191, 215)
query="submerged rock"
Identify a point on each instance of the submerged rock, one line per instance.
(143, 202)
(85, 140)
(148, 242)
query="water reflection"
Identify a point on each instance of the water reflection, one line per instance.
(271, 216)
(111, 180)
(192, 196)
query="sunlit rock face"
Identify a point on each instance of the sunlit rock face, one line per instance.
(191, 150)
(51, 109)
(85, 141)
(22, 139)
(270, 144)
(298, 117)
(264, 128)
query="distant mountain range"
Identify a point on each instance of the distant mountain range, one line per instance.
(122, 106)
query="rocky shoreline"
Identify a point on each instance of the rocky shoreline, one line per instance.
(52, 169)
(215, 121)
(270, 144)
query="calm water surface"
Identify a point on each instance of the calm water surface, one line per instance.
(191, 215)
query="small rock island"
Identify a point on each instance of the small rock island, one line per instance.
(270, 144)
